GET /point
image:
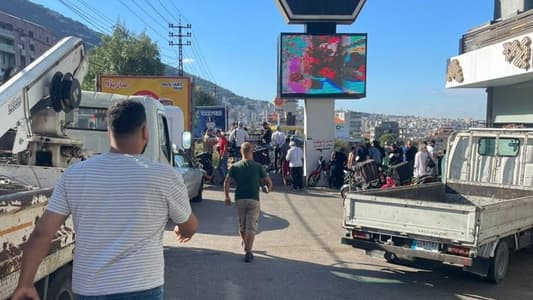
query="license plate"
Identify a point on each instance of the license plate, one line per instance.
(426, 246)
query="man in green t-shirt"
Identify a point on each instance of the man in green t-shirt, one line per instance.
(247, 176)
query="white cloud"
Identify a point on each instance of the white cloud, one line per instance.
(188, 61)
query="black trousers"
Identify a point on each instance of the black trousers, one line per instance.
(297, 177)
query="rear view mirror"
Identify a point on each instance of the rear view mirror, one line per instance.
(186, 140)
(174, 148)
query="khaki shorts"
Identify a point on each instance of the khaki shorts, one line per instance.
(248, 213)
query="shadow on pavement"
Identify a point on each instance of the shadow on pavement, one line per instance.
(193, 273)
(216, 218)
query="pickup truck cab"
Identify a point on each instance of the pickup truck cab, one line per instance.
(478, 215)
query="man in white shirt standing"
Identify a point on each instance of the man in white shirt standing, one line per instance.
(239, 136)
(278, 139)
(295, 157)
(120, 204)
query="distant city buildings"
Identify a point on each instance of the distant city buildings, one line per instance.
(21, 42)
(373, 126)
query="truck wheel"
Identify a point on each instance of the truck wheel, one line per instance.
(60, 287)
(499, 264)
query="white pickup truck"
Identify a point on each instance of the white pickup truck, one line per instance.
(478, 215)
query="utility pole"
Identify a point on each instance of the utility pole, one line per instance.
(180, 42)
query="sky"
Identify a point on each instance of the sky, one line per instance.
(235, 45)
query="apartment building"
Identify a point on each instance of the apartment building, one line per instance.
(21, 42)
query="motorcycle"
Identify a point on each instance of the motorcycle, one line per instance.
(314, 177)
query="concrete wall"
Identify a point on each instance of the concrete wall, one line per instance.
(508, 8)
(510, 104)
(319, 129)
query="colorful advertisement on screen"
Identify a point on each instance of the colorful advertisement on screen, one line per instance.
(322, 66)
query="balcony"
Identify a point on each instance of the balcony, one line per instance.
(7, 33)
(7, 48)
(496, 31)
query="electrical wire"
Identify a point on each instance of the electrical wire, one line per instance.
(85, 17)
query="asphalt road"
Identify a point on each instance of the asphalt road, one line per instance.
(298, 255)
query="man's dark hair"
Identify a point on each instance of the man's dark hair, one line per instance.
(125, 117)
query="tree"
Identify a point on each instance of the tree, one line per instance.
(123, 53)
(201, 98)
(388, 138)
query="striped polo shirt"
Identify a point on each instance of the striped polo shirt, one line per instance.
(120, 205)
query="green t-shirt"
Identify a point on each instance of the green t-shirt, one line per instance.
(247, 174)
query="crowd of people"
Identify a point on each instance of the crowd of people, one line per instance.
(284, 155)
(423, 160)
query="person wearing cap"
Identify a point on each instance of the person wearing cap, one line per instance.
(278, 138)
(295, 157)
(239, 136)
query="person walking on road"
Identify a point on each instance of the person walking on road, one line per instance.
(120, 204)
(278, 138)
(239, 135)
(248, 176)
(295, 157)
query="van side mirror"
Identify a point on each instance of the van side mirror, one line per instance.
(186, 140)
(174, 149)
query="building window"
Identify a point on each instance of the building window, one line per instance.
(22, 60)
(47, 40)
(32, 47)
(30, 33)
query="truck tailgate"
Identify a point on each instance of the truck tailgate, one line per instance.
(454, 222)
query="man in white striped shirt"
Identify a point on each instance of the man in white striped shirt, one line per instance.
(120, 204)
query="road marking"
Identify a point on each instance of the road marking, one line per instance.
(366, 279)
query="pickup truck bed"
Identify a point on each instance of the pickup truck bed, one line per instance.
(469, 215)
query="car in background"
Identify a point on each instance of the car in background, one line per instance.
(193, 176)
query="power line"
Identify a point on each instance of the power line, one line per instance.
(195, 45)
(193, 65)
(85, 17)
(142, 20)
(98, 13)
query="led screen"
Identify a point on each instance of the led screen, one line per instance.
(322, 66)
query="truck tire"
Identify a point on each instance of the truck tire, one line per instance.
(60, 286)
(499, 264)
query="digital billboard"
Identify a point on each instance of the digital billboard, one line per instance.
(322, 66)
(169, 90)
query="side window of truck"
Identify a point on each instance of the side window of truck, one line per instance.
(86, 118)
(506, 147)
(164, 142)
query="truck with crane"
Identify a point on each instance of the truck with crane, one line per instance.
(37, 107)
